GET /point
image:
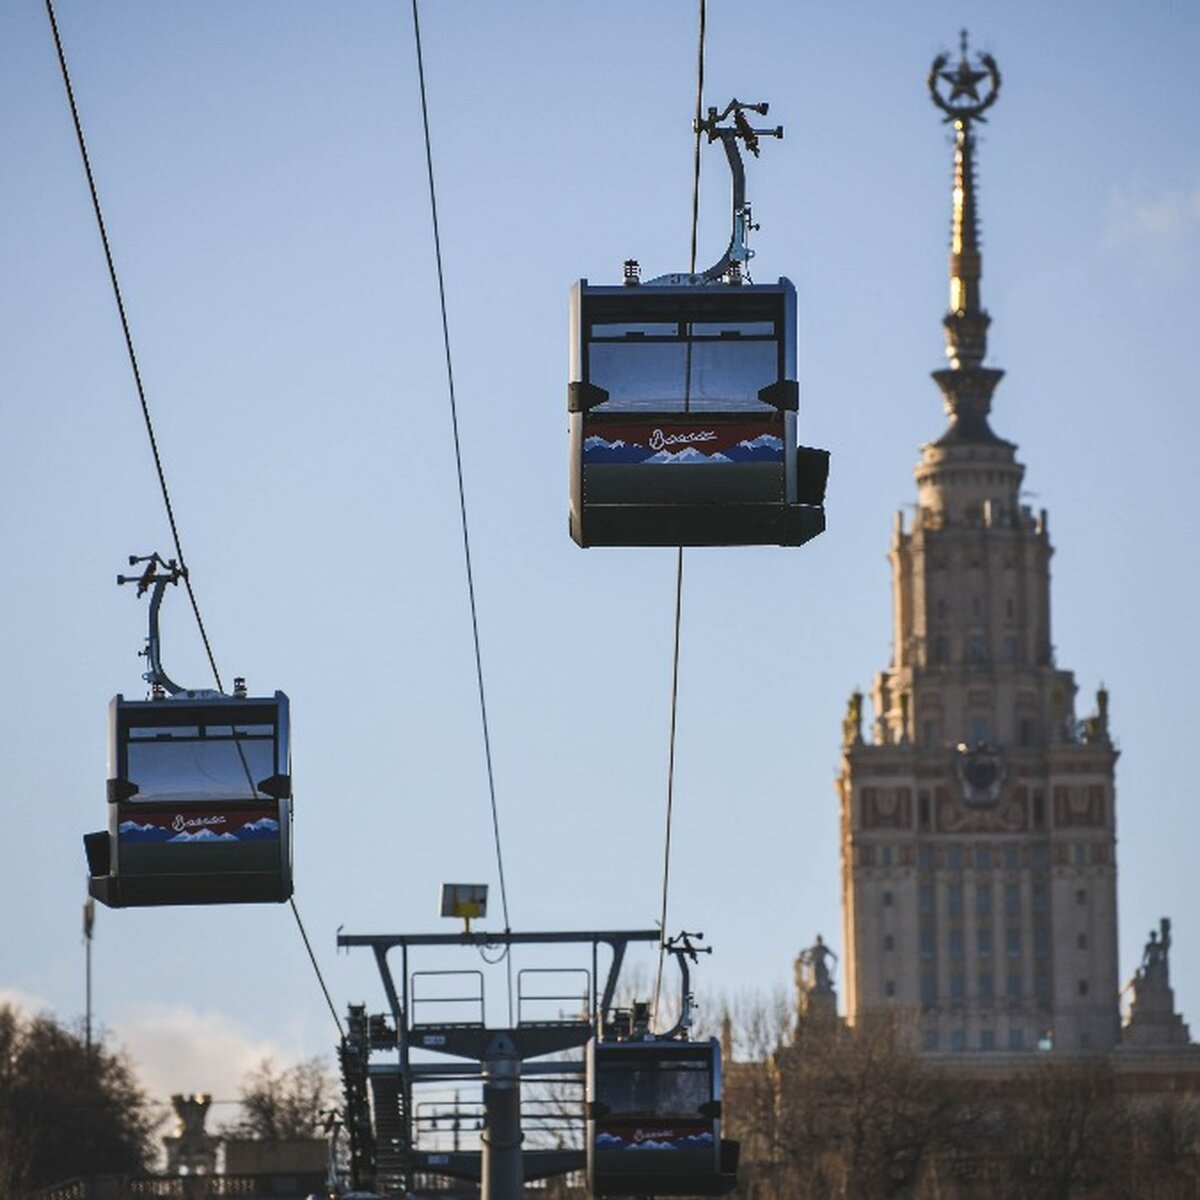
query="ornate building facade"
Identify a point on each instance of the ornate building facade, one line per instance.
(978, 827)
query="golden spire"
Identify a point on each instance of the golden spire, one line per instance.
(964, 93)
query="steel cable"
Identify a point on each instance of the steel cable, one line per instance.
(141, 392)
(462, 496)
(662, 930)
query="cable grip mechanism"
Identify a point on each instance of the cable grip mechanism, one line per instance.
(684, 950)
(157, 575)
(729, 266)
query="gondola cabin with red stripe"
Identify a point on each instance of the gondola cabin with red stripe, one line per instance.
(654, 1119)
(199, 798)
(199, 788)
(683, 407)
(683, 399)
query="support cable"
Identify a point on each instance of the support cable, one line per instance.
(462, 496)
(141, 392)
(133, 362)
(313, 959)
(666, 883)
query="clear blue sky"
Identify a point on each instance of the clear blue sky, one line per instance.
(262, 173)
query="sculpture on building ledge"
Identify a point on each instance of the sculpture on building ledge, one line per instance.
(852, 722)
(813, 970)
(1095, 727)
(1155, 969)
(191, 1151)
(816, 997)
(1153, 1020)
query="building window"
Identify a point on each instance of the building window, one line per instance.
(956, 943)
(1041, 985)
(927, 943)
(985, 986)
(1041, 942)
(1080, 854)
(978, 727)
(1014, 985)
(941, 650)
(923, 809)
(929, 733)
(889, 942)
(1085, 1041)
(928, 989)
(976, 649)
(925, 897)
(889, 988)
(1012, 942)
(1083, 987)
(983, 941)
(887, 899)
(987, 1039)
(1041, 898)
(1012, 857)
(954, 899)
(1010, 656)
(1027, 730)
(1039, 855)
(925, 854)
(957, 986)
(929, 1040)
(1012, 900)
(1081, 896)
(983, 899)
(983, 858)
(1081, 941)
(1010, 609)
(1039, 810)
(958, 1040)
(886, 856)
(1016, 1039)
(954, 857)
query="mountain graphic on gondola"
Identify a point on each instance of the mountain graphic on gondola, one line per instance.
(203, 835)
(689, 455)
(698, 1141)
(264, 829)
(599, 450)
(132, 831)
(764, 448)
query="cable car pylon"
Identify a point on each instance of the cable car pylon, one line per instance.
(652, 1114)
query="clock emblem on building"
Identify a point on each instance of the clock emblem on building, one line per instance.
(980, 771)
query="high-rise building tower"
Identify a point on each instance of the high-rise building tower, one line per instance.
(977, 824)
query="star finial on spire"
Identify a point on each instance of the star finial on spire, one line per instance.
(964, 103)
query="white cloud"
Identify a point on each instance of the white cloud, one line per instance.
(1158, 228)
(27, 1002)
(177, 1049)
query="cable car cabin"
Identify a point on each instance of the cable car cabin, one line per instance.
(199, 800)
(683, 402)
(654, 1120)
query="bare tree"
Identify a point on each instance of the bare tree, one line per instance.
(66, 1109)
(280, 1104)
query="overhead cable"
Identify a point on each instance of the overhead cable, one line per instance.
(462, 495)
(141, 392)
(666, 882)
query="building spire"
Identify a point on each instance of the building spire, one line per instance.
(964, 93)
